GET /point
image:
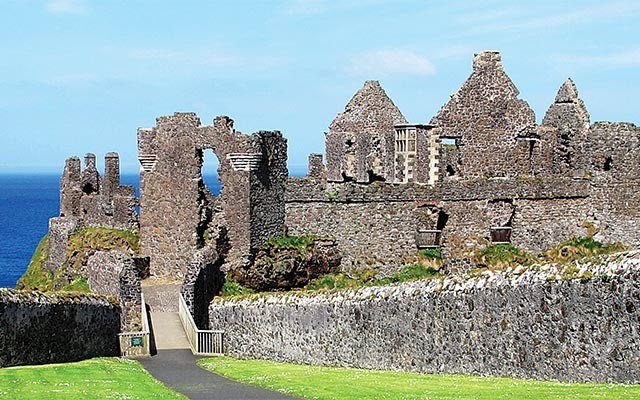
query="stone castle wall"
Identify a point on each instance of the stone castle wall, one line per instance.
(37, 328)
(115, 273)
(177, 208)
(88, 199)
(97, 200)
(376, 226)
(528, 324)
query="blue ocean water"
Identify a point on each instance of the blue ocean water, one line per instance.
(26, 204)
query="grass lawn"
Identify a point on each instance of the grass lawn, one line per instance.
(99, 378)
(313, 382)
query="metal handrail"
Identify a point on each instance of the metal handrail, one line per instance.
(202, 342)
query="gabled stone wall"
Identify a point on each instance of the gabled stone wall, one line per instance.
(360, 140)
(487, 117)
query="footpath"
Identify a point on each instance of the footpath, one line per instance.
(175, 365)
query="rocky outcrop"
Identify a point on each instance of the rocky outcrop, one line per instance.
(279, 267)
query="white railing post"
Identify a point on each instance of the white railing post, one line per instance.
(202, 342)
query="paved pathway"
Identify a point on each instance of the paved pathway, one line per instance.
(177, 369)
(168, 331)
(175, 365)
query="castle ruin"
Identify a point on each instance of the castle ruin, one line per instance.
(482, 171)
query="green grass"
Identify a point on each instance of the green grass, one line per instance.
(577, 248)
(82, 244)
(367, 277)
(99, 378)
(503, 255)
(36, 277)
(313, 382)
(300, 243)
(233, 288)
(431, 254)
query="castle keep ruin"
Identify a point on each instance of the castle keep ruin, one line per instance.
(178, 213)
(481, 171)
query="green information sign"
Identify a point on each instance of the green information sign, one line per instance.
(136, 341)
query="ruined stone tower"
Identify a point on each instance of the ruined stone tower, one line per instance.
(179, 215)
(89, 200)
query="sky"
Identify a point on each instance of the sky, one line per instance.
(81, 76)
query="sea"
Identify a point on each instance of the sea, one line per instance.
(26, 204)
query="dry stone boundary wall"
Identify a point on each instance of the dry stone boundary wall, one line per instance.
(530, 324)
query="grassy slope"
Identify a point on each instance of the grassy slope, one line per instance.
(313, 382)
(82, 244)
(99, 378)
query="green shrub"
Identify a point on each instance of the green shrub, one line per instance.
(504, 254)
(233, 288)
(431, 254)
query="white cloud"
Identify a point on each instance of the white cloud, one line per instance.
(390, 62)
(66, 7)
(532, 19)
(623, 59)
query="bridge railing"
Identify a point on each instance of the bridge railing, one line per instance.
(202, 342)
(136, 344)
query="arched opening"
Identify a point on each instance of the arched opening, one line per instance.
(210, 188)
(209, 171)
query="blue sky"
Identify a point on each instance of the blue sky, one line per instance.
(81, 76)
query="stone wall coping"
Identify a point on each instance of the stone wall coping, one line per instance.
(21, 296)
(624, 265)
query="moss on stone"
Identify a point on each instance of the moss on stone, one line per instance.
(579, 248)
(36, 277)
